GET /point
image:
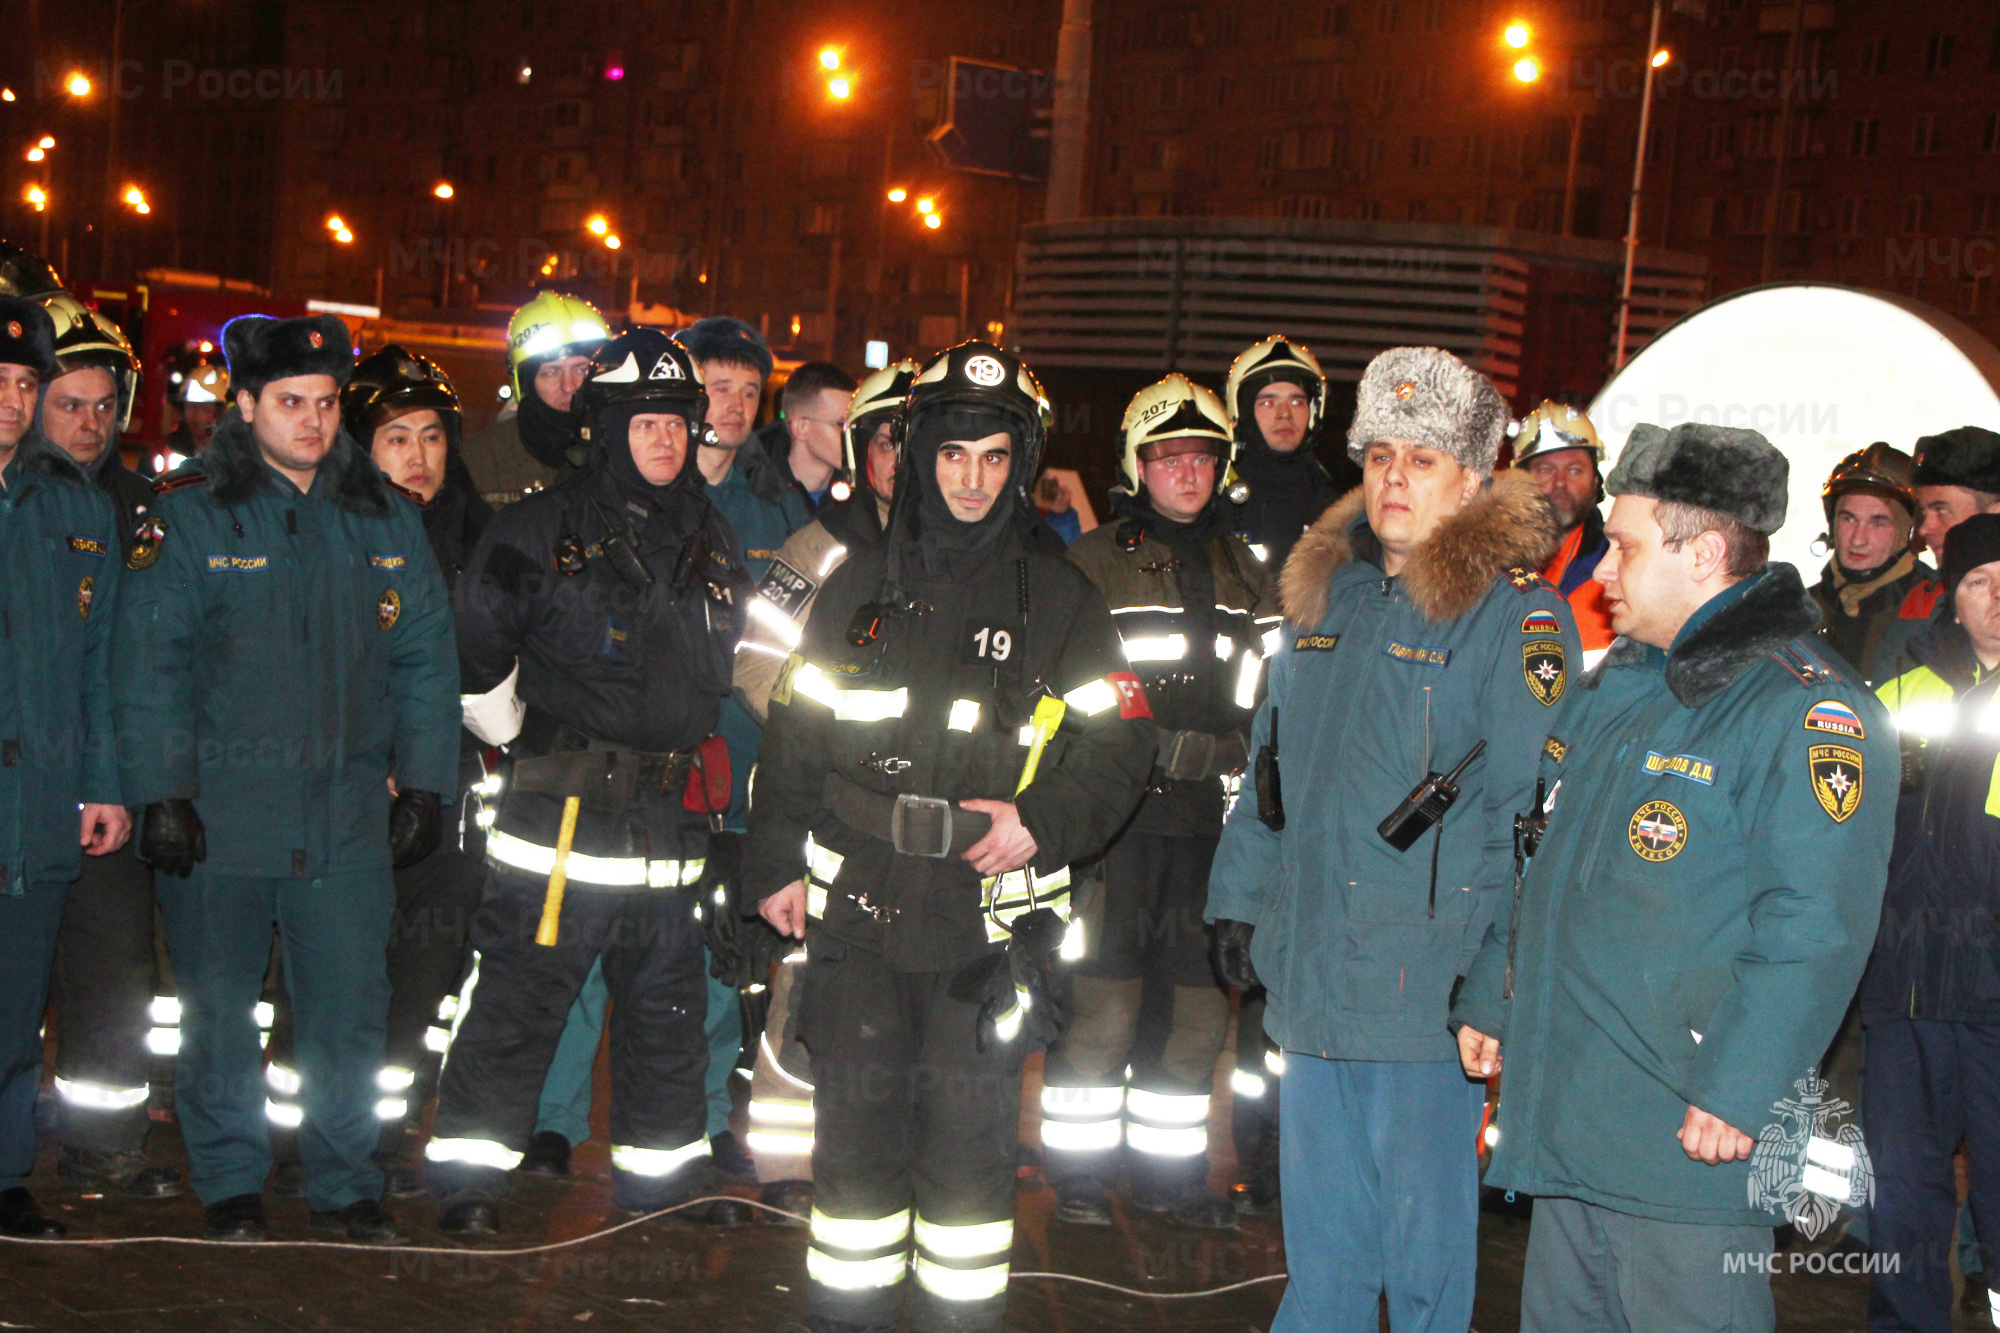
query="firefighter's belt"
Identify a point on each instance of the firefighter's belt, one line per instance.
(914, 825)
(604, 777)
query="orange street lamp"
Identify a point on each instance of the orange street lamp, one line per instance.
(344, 236)
(598, 226)
(1516, 35)
(933, 220)
(46, 141)
(829, 58)
(612, 242)
(926, 205)
(1661, 57)
(333, 222)
(36, 154)
(1526, 70)
(443, 190)
(38, 197)
(898, 195)
(77, 85)
(841, 87)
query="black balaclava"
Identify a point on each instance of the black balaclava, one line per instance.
(545, 432)
(675, 509)
(1259, 456)
(948, 544)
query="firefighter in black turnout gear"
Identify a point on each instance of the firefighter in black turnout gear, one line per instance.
(610, 608)
(402, 408)
(956, 726)
(1193, 607)
(105, 974)
(1276, 399)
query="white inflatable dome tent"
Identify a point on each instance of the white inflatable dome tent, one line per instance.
(1820, 370)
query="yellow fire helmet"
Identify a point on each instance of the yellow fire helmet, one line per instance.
(86, 337)
(880, 398)
(551, 326)
(1554, 426)
(1176, 408)
(1276, 358)
(206, 383)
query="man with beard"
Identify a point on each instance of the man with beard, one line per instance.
(284, 651)
(106, 971)
(404, 409)
(59, 547)
(1192, 606)
(549, 342)
(1559, 448)
(781, 1093)
(610, 607)
(1275, 397)
(956, 726)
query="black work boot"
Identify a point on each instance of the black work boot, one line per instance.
(20, 1215)
(1083, 1202)
(238, 1217)
(469, 1214)
(132, 1174)
(547, 1155)
(363, 1222)
(794, 1197)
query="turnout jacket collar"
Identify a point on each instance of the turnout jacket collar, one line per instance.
(1507, 525)
(1772, 610)
(237, 473)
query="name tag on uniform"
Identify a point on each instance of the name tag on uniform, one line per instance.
(88, 546)
(388, 561)
(1418, 655)
(1692, 767)
(1315, 643)
(785, 588)
(239, 564)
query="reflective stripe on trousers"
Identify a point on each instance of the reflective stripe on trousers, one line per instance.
(845, 1254)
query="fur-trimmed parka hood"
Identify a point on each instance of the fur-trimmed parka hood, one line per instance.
(1507, 525)
(1774, 610)
(236, 471)
(41, 457)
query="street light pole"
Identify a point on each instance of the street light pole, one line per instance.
(1569, 175)
(1070, 123)
(1638, 183)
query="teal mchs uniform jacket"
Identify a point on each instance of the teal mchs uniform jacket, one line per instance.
(1697, 917)
(59, 574)
(1380, 681)
(281, 655)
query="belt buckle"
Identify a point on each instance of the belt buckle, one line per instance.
(921, 826)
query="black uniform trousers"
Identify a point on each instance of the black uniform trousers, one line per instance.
(429, 939)
(29, 919)
(914, 1137)
(1146, 950)
(511, 1017)
(1925, 1087)
(103, 987)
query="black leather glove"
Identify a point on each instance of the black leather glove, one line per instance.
(171, 838)
(1232, 955)
(416, 823)
(722, 927)
(1022, 997)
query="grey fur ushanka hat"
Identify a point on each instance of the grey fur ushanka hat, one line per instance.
(1736, 473)
(1429, 397)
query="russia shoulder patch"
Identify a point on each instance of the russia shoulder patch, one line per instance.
(1834, 716)
(1541, 622)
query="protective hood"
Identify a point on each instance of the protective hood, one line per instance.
(545, 433)
(923, 516)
